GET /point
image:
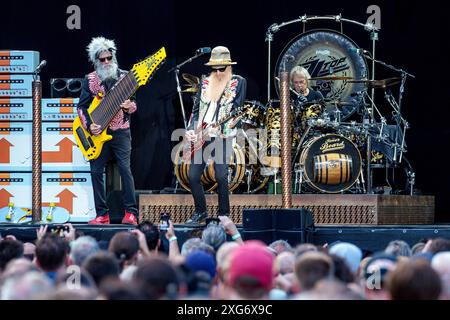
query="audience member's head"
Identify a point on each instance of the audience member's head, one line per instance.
(342, 271)
(349, 252)
(414, 280)
(331, 289)
(398, 248)
(82, 248)
(151, 233)
(284, 263)
(441, 264)
(214, 235)
(304, 247)
(311, 267)
(251, 271)
(125, 247)
(201, 261)
(158, 278)
(194, 244)
(417, 248)
(375, 273)
(101, 266)
(51, 252)
(17, 268)
(280, 246)
(437, 245)
(29, 250)
(113, 289)
(9, 250)
(33, 285)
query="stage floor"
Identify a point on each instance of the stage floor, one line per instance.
(341, 209)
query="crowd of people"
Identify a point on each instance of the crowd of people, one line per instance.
(148, 264)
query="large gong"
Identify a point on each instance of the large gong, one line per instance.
(326, 53)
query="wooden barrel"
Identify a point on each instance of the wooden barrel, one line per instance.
(332, 168)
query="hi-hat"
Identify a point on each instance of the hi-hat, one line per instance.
(332, 78)
(339, 103)
(377, 83)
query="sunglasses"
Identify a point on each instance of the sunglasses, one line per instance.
(105, 58)
(222, 69)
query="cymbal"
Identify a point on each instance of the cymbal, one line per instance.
(332, 78)
(271, 161)
(377, 83)
(193, 83)
(338, 103)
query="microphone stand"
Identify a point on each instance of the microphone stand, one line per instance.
(177, 72)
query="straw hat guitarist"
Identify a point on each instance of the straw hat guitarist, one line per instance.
(221, 93)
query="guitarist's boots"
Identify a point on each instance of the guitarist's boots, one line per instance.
(129, 218)
(197, 218)
(100, 220)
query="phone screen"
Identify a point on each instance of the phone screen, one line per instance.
(164, 222)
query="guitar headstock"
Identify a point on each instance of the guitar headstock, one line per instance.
(143, 70)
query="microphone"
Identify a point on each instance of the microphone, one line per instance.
(360, 51)
(40, 66)
(203, 50)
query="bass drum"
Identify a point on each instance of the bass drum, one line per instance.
(236, 171)
(331, 163)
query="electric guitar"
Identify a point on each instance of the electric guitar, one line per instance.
(190, 147)
(103, 109)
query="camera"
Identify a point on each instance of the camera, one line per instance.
(164, 221)
(58, 229)
(212, 220)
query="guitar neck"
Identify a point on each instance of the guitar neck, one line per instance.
(110, 104)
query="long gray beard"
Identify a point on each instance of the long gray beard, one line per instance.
(107, 72)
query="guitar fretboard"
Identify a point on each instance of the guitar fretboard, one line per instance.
(110, 104)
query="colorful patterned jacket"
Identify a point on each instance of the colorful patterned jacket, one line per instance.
(232, 97)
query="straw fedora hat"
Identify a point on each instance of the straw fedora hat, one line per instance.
(220, 56)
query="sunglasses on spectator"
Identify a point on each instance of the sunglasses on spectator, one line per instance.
(105, 58)
(221, 69)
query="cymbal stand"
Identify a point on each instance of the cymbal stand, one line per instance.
(396, 115)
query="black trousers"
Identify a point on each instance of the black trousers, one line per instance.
(118, 149)
(220, 151)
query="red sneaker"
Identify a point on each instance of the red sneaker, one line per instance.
(129, 218)
(100, 220)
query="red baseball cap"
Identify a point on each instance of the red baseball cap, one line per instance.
(252, 259)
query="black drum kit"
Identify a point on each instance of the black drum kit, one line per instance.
(341, 144)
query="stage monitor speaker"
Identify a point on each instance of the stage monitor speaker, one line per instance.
(293, 225)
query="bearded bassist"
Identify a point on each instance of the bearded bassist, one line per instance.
(102, 54)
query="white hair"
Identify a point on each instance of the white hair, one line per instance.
(82, 248)
(441, 264)
(99, 45)
(300, 71)
(32, 285)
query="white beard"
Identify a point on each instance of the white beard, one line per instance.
(107, 71)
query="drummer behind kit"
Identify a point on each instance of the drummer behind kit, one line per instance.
(336, 142)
